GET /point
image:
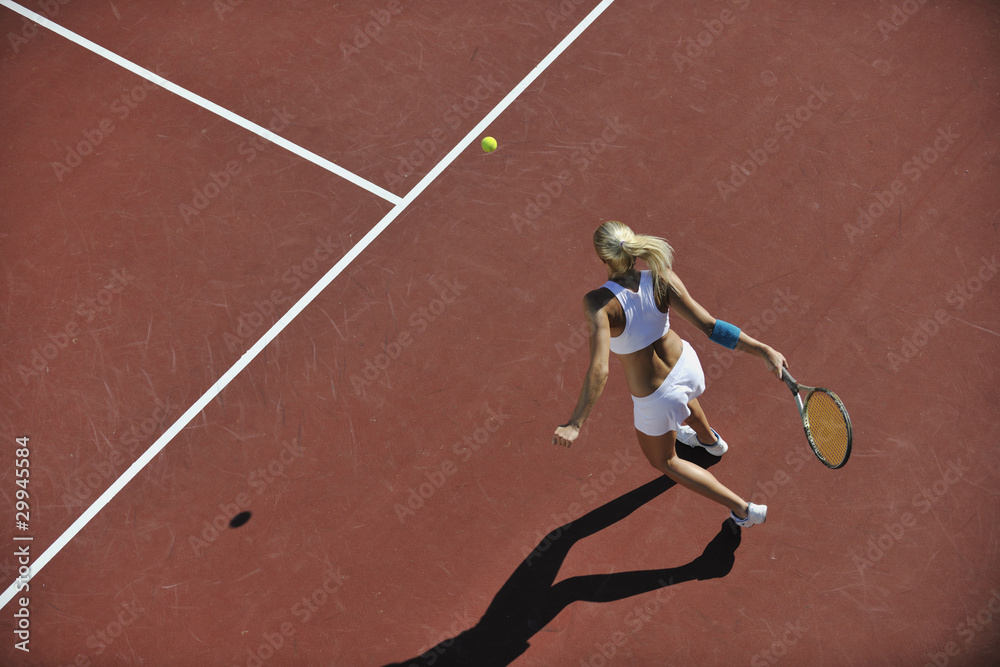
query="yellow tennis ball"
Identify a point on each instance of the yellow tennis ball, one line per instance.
(489, 144)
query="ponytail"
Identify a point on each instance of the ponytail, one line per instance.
(619, 246)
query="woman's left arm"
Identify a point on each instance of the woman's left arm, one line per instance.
(773, 360)
(692, 311)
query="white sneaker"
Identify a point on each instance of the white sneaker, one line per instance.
(755, 514)
(686, 435)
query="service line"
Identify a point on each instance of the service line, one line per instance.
(208, 105)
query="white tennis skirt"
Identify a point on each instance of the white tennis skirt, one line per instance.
(666, 408)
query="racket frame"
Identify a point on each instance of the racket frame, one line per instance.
(796, 389)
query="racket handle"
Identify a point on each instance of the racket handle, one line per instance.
(790, 381)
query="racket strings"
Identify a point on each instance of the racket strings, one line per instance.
(827, 427)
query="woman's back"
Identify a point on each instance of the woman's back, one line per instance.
(639, 327)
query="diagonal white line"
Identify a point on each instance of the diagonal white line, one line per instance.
(204, 103)
(296, 309)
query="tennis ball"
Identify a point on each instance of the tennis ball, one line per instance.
(489, 144)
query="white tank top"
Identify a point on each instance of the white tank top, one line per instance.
(644, 323)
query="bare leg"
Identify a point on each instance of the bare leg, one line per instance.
(661, 454)
(699, 422)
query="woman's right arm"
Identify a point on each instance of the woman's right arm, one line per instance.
(597, 373)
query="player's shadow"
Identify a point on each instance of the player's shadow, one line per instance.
(529, 599)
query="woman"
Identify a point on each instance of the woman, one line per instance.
(630, 316)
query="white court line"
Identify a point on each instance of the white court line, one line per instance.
(203, 103)
(294, 311)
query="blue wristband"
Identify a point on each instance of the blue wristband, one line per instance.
(725, 334)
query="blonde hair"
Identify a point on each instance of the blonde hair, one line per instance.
(619, 246)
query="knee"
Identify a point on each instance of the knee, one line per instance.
(666, 465)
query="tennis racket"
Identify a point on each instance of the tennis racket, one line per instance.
(825, 419)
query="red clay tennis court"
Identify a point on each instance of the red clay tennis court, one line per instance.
(284, 348)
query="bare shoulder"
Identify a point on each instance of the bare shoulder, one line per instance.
(675, 286)
(685, 305)
(596, 300)
(673, 281)
(665, 288)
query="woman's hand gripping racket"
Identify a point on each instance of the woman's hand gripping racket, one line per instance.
(827, 424)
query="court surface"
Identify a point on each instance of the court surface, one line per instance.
(254, 261)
